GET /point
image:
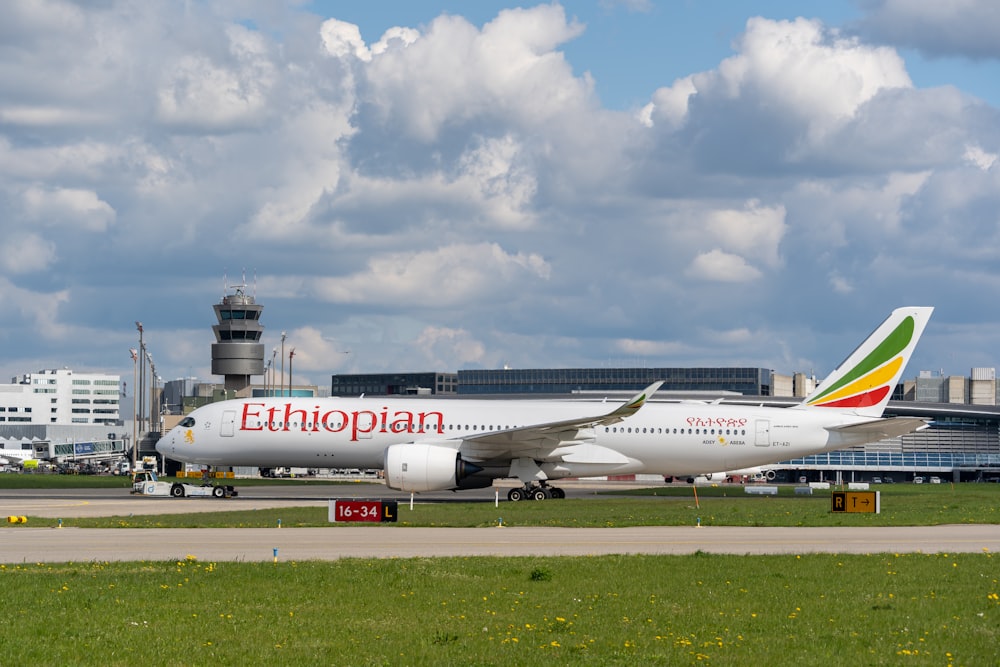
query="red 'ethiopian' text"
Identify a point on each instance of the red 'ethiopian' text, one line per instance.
(359, 423)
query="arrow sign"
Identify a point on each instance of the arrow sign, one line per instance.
(856, 501)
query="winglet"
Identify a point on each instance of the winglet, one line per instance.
(863, 383)
(632, 406)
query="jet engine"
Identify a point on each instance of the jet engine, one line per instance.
(419, 467)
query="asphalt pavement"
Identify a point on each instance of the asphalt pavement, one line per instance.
(27, 544)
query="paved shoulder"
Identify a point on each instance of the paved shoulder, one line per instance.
(28, 545)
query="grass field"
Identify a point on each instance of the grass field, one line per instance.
(881, 609)
(902, 505)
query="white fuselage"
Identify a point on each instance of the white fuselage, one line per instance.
(661, 438)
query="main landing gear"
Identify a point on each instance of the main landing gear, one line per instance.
(534, 492)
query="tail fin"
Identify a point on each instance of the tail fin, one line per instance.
(863, 383)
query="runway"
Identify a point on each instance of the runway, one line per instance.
(66, 503)
(54, 545)
(25, 544)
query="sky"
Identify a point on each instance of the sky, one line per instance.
(435, 186)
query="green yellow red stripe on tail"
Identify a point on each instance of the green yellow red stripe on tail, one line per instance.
(865, 380)
(867, 383)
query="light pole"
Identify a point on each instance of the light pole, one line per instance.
(274, 355)
(282, 363)
(291, 354)
(152, 392)
(135, 414)
(141, 389)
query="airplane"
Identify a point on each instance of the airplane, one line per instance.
(16, 456)
(428, 444)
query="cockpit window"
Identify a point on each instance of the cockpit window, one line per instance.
(187, 422)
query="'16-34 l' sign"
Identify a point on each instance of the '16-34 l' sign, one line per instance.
(373, 511)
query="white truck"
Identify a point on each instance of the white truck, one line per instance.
(146, 483)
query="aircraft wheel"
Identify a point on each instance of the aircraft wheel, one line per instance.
(540, 494)
(515, 495)
(218, 492)
(557, 493)
(177, 491)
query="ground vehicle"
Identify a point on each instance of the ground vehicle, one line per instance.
(918, 480)
(935, 480)
(146, 483)
(287, 472)
(876, 480)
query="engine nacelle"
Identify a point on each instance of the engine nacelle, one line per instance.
(419, 467)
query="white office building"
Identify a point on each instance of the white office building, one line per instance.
(61, 397)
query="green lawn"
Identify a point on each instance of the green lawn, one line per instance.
(883, 609)
(902, 504)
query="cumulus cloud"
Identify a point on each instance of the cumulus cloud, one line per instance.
(229, 95)
(716, 265)
(799, 72)
(40, 310)
(451, 275)
(454, 194)
(754, 231)
(71, 207)
(980, 158)
(649, 349)
(456, 73)
(442, 346)
(316, 357)
(26, 253)
(958, 28)
(342, 39)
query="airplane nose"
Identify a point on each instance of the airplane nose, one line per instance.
(161, 444)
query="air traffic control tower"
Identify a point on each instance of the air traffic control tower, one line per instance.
(238, 353)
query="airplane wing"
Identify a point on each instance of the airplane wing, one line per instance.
(884, 428)
(559, 440)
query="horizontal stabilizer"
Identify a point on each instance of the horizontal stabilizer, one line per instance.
(884, 428)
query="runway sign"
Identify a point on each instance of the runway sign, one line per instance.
(856, 501)
(372, 511)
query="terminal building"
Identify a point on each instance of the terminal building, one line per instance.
(61, 397)
(59, 414)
